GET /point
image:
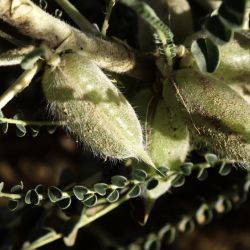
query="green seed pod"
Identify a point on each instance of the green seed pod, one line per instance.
(216, 112)
(234, 64)
(219, 140)
(166, 135)
(243, 90)
(176, 131)
(168, 143)
(82, 96)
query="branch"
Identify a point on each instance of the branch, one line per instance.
(15, 56)
(77, 17)
(85, 220)
(112, 56)
(19, 85)
(107, 16)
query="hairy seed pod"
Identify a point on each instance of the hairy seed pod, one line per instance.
(168, 142)
(234, 64)
(214, 106)
(243, 90)
(167, 137)
(82, 96)
(219, 140)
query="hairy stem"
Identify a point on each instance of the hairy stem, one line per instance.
(10, 196)
(30, 123)
(20, 84)
(85, 220)
(15, 56)
(77, 17)
(110, 55)
(11, 39)
(107, 16)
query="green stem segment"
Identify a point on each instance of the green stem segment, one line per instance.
(30, 123)
(163, 31)
(107, 16)
(85, 220)
(77, 17)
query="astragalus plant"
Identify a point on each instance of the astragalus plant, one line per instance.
(175, 106)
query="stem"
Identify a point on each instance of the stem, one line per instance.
(107, 17)
(85, 220)
(15, 56)
(30, 123)
(163, 31)
(44, 240)
(11, 39)
(77, 17)
(20, 84)
(110, 55)
(10, 196)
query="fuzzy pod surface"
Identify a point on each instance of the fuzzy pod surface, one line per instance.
(166, 134)
(223, 142)
(94, 110)
(234, 67)
(220, 115)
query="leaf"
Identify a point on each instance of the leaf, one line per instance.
(135, 191)
(113, 196)
(186, 224)
(204, 214)
(186, 168)
(64, 203)
(225, 169)
(152, 243)
(21, 129)
(178, 181)
(101, 188)
(119, 181)
(206, 54)
(13, 205)
(90, 200)
(218, 31)
(167, 234)
(80, 192)
(222, 205)
(40, 189)
(1, 186)
(35, 130)
(152, 183)
(3, 126)
(32, 197)
(17, 189)
(211, 158)
(202, 174)
(139, 174)
(54, 194)
(163, 170)
(51, 129)
(247, 186)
